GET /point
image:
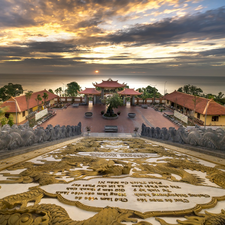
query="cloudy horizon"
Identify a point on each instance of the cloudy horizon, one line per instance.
(129, 37)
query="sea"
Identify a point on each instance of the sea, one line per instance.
(164, 84)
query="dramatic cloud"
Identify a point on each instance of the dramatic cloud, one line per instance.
(154, 34)
(209, 25)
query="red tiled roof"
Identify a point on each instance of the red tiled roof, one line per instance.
(22, 103)
(186, 100)
(128, 91)
(109, 84)
(90, 91)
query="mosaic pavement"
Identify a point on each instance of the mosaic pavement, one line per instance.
(120, 180)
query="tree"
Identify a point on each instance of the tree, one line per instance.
(10, 120)
(45, 97)
(38, 99)
(57, 91)
(180, 89)
(10, 90)
(149, 92)
(50, 90)
(190, 89)
(195, 90)
(3, 119)
(28, 96)
(120, 89)
(113, 102)
(60, 91)
(186, 88)
(73, 88)
(219, 98)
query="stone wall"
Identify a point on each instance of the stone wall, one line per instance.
(22, 135)
(214, 139)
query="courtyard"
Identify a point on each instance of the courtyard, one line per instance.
(72, 116)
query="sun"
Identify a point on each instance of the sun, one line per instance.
(96, 71)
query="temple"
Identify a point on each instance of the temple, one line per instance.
(107, 87)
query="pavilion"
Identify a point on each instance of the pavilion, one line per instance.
(91, 92)
(106, 87)
(127, 92)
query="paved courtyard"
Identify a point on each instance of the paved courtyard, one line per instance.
(72, 116)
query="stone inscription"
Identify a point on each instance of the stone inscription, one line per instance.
(142, 191)
(119, 155)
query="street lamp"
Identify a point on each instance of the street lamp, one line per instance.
(206, 108)
(165, 87)
(63, 88)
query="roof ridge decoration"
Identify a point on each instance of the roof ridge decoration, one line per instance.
(206, 107)
(109, 84)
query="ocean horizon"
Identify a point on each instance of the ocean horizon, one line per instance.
(164, 83)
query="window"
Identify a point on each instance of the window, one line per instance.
(23, 113)
(215, 118)
(7, 115)
(198, 115)
(167, 101)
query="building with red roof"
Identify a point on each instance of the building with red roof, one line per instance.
(128, 92)
(109, 84)
(90, 92)
(17, 106)
(206, 110)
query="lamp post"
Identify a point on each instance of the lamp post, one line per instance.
(206, 108)
(63, 88)
(165, 87)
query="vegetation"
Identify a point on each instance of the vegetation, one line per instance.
(38, 99)
(191, 89)
(113, 102)
(45, 97)
(57, 91)
(28, 96)
(3, 119)
(120, 89)
(149, 92)
(50, 90)
(10, 90)
(196, 91)
(72, 89)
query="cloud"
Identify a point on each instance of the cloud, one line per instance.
(22, 13)
(208, 25)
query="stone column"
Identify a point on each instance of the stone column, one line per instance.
(102, 94)
(85, 99)
(124, 100)
(132, 100)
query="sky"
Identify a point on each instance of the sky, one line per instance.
(113, 37)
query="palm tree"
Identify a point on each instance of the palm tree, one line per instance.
(186, 89)
(28, 96)
(45, 97)
(60, 91)
(195, 90)
(57, 91)
(38, 99)
(50, 90)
